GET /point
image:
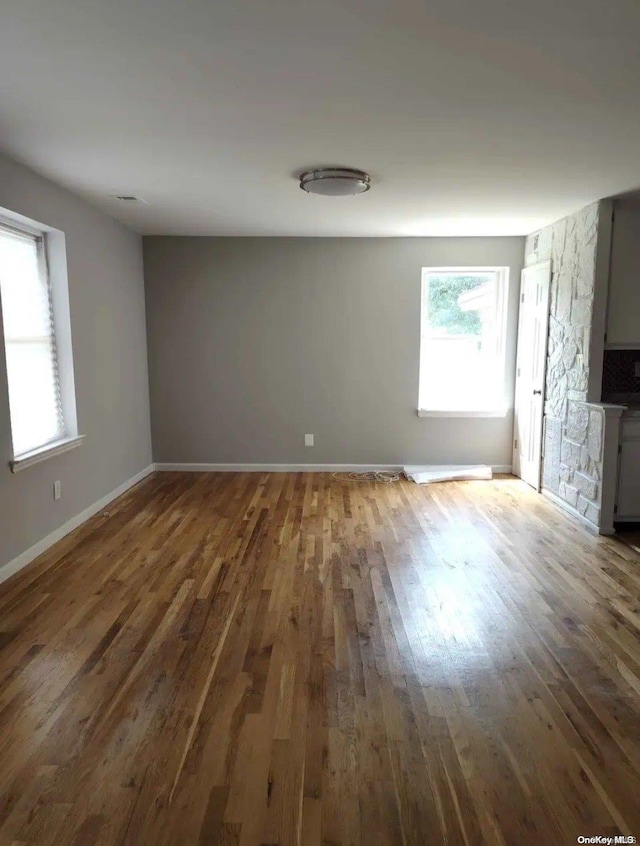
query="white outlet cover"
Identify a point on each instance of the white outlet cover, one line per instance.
(308, 440)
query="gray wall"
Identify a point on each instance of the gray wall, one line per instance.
(624, 294)
(106, 291)
(254, 342)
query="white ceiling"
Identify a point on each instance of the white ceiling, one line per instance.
(472, 116)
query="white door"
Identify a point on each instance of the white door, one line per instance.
(530, 372)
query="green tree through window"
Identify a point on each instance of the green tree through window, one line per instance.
(444, 310)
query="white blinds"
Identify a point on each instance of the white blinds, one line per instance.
(30, 343)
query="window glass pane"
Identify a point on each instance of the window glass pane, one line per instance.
(32, 395)
(30, 351)
(462, 364)
(25, 298)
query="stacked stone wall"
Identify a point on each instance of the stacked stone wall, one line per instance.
(573, 444)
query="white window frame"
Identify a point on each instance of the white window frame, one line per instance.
(502, 273)
(55, 266)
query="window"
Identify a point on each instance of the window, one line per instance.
(462, 349)
(36, 404)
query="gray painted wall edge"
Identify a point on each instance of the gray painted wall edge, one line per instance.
(106, 293)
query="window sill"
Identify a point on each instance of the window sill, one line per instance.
(28, 459)
(498, 412)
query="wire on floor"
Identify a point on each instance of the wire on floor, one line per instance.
(369, 476)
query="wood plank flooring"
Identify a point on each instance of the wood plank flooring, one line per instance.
(630, 536)
(292, 659)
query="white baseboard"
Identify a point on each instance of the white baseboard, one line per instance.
(37, 549)
(290, 468)
(572, 511)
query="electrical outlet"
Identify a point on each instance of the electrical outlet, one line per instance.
(57, 489)
(308, 440)
(637, 369)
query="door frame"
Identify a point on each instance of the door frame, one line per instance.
(540, 432)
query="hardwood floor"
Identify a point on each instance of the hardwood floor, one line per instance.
(630, 536)
(280, 659)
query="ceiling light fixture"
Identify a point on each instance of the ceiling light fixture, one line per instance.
(335, 181)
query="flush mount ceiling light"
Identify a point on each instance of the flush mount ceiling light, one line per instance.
(335, 181)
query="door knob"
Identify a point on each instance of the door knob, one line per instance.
(539, 393)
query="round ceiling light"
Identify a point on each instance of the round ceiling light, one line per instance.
(335, 181)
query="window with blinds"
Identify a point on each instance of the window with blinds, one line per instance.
(30, 342)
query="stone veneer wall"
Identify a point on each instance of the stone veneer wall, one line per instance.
(573, 445)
